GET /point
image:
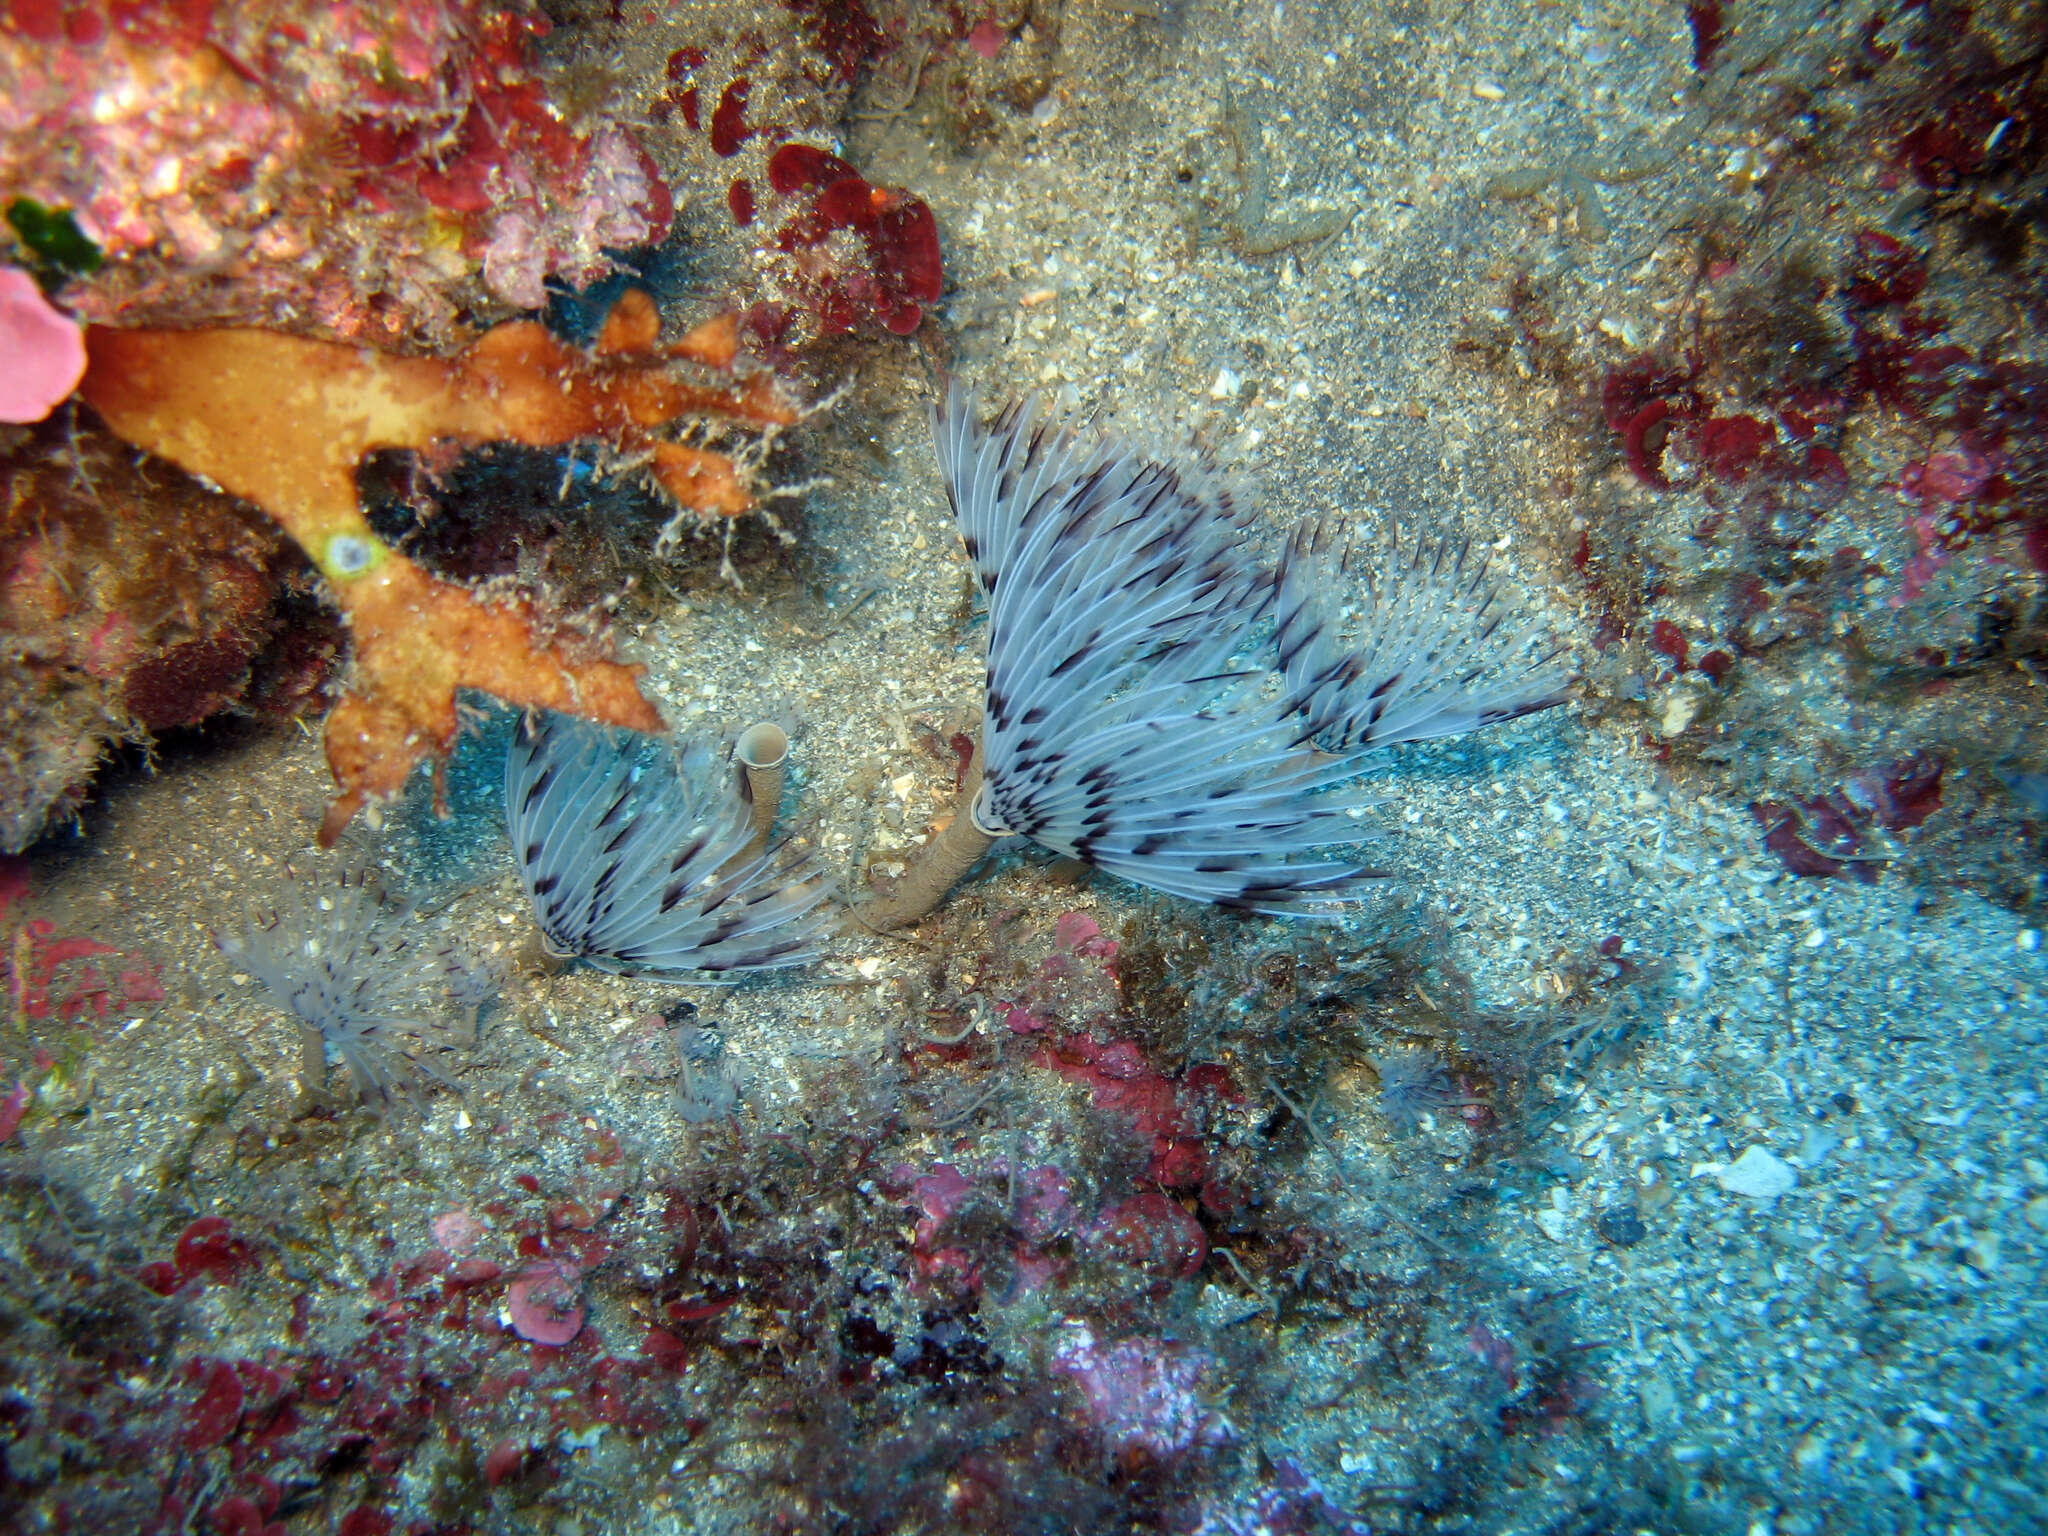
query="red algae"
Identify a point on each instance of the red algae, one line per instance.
(1826, 836)
(729, 129)
(1705, 19)
(293, 128)
(545, 1302)
(844, 33)
(209, 1247)
(1669, 640)
(217, 1409)
(1153, 1233)
(904, 269)
(912, 1281)
(1732, 446)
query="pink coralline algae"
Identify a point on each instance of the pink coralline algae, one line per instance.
(1497, 1352)
(457, 1231)
(1959, 492)
(1081, 935)
(540, 199)
(1151, 1232)
(44, 348)
(528, 241)
(1293, 1503)
(1161, 1111)
(545, 1302)
(987, 38)
(1141, 1394)
(320, 151)
(12, 1110)
(938, 1195)
(1045, 1204)
(1960, 475)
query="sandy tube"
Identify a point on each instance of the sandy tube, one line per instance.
(939, 867)
(312, 1061)
(538, 953)
(763, 754)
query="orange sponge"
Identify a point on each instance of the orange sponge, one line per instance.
(283, 421)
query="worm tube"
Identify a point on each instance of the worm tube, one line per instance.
(946, 858)
(763, 753)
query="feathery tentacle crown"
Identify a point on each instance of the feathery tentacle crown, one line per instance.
(1426, 649)
(1134, 718)
(340, 962)
(1128, 721)
(638, 858)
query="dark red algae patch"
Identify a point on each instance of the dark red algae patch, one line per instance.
(1732, 446)
(905, 269)
(896, 267)
(1812, 838)
(1153, 1234)
(1704, 17)
(739, 201)
(217, 1409)
(1642, 399)
(1648, 403)
(729, 128)
(51, 976)
(1901, 795)
(845, 33)
(1885, 271)
(1750, 415)
(1826, 836)
(1667, 639)
(209, 1247)
(2035, 541)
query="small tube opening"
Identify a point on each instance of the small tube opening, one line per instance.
(765, 745)
(763, 755)
(983, 818)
